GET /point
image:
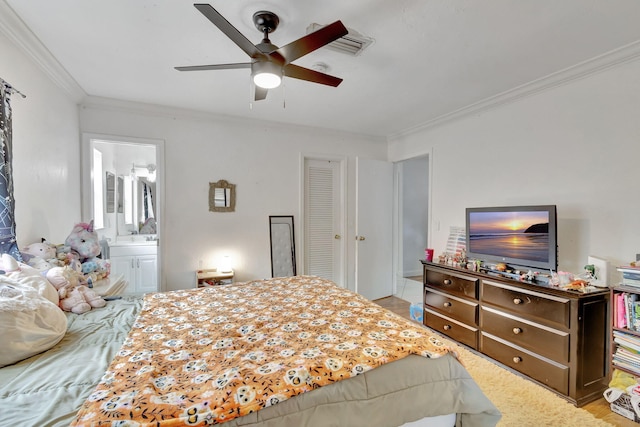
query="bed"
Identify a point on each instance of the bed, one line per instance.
(296, 351)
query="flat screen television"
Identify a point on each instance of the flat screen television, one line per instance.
(519, 236)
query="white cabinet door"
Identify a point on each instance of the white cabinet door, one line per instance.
(146, 273)
(141, 272)
(123, 265)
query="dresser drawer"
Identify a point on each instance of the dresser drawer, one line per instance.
(554, 375)
(457, 308)
(527, 304)
(540, 339)
(451, 283)
(452, 328)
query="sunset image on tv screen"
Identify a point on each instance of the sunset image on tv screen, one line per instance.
(522, 235)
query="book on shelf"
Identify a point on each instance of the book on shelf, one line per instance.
(627, 351)
(631, 268)
(627, 344)
(631, 282)
(626, 366)
(620, 318)
(624, 353)
(626, 310)
(630, 272)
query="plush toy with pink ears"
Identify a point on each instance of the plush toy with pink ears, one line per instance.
(84, 245)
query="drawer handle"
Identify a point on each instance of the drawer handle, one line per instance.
(517, 359)
(517, 301)
(446, 327)
(447, 304)
(447, 282)
(517, 331)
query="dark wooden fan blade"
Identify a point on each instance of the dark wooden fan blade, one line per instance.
(297, 72)
(313, 41)
(236, 36)
(214, 67)
(260, 93)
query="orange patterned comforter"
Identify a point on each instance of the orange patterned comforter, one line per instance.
(205, 356)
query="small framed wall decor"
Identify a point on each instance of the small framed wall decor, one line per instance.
(222, 196)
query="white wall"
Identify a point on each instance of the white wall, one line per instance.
(576, 146)
(263, 160)
(46, 151)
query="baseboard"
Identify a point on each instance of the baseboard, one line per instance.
(411, 273)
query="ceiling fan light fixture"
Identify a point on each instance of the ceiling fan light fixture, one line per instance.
(266, 75)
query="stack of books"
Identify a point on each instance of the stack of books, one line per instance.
(627, 355)
(626, 310)
(630, 275)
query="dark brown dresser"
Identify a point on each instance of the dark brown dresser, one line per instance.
(555, 337)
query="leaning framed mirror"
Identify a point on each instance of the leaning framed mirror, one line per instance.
(283, 246)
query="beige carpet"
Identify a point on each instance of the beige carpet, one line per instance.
(521, 402)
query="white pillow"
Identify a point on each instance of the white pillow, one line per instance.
(29, 322)
(27, 275)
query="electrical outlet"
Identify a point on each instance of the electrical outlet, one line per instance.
(199, 264)
(637, 257)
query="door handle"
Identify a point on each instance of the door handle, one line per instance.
(360, 238)
(337, 237)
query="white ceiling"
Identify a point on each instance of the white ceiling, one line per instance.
(430, 58)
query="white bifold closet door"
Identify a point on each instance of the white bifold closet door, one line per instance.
(323, 222)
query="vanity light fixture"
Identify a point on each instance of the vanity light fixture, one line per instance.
(151, 177)
(146, 171)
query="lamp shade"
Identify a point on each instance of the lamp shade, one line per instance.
(266, 75)
(225, 265)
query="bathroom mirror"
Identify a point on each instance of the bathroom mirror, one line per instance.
(110, 183)
(283, 247)
(120, 194)
(222, 196)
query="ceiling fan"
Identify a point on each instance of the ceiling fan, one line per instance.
(269, 62)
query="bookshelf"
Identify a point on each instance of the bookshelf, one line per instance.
(625, 327)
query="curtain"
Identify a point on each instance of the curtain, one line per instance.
(8, 242)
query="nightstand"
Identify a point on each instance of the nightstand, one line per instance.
(213, 277)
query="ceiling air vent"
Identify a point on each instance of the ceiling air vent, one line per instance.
(351, 44)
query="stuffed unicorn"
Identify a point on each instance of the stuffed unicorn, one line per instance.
(84, 245)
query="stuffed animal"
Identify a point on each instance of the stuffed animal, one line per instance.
(74, 297)
(84, 246)
(41, 256)
(43, 249)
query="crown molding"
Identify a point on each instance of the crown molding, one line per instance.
(173, 113)
(19, 33)
(622, 55)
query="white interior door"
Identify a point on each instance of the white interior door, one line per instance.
(323, 220)
(374, 224)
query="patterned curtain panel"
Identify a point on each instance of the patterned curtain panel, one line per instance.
(7, 219)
